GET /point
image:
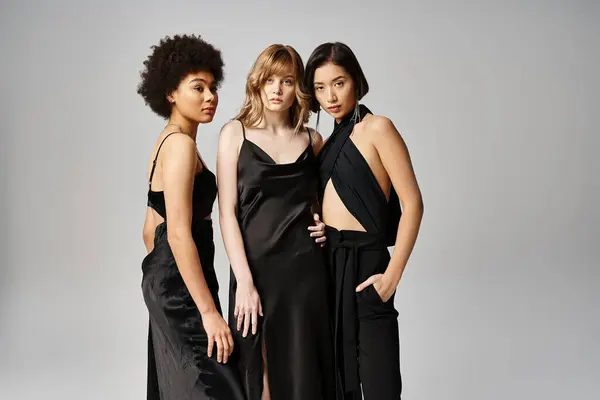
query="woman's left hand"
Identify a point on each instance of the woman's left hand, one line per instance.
(318, 230)
(384, 285)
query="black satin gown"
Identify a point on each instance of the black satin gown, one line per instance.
(274, 213)
(178, 365)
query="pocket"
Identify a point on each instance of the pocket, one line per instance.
(372, 295)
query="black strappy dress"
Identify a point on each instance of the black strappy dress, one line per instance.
(289, 272)
(178, 366)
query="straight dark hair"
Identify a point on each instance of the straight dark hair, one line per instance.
(341, 55)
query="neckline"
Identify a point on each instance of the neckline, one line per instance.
(272, 161)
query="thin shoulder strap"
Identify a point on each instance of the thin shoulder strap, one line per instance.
(243, 129)
(156, 158)
(309, 136)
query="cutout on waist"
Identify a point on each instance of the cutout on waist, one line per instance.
(338, 216)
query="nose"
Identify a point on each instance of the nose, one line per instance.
(331, 97)
(277, 88)
(209, 97)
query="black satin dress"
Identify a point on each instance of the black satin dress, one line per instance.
(274, 213)
(178, 366)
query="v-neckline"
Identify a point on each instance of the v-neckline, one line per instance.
(272, 161)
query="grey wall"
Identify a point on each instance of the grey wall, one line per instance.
(498, 102)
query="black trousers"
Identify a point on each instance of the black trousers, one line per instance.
(367, 339)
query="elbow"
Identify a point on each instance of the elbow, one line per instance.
(415, 206)
(177, 236)
(147, 236)
(225, 214)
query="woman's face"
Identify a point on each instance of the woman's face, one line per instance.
(196, 97)
(334, 90)
(279, 91)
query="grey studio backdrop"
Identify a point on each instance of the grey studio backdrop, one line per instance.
(497, 100)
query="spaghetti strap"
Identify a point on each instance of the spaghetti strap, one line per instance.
(243, 129)
(309, 136)
(156, 158)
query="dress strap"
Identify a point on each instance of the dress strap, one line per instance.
(309, 136)
(243, 129)
(156, 158)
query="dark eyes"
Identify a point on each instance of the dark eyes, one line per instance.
(336, 84)
(201, 89)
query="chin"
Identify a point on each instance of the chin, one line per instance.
(278, 107)
(206, 119)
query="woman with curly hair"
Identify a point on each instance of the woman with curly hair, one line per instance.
(180, 288)
(267, 172)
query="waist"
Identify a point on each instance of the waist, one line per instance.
(352, 238)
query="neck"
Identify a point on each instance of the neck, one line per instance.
(349, 115)
(275, 122)
(186, 126)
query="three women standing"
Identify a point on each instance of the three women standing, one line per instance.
(289, 343)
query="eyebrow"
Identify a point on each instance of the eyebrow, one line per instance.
(199, 79)
(333, 80)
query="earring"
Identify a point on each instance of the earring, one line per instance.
(318, 117)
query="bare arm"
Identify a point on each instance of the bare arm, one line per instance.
(179, 166)
(247, 305)
(318, 229)
(396, 160)
(178, 171)
(148, 230)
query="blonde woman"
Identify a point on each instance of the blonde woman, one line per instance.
(267, 173)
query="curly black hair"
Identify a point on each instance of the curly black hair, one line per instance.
(171, 61)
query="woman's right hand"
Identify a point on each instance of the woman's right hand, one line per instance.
(218, 333)
(247, 308)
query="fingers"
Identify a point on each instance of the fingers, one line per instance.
(220, 348)
(240, 320)
(229, 338)
(211, 343)
(247, 317)
(318, 226)
(254, 316)
(318, 230)
(372, 279)
(226, 352)
(260, 311)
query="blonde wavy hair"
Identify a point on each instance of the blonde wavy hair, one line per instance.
(273, 61)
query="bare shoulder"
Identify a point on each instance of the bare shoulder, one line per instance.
(316, 140)
(379, 123)
(232, 130)
(179, 143)
(381, 129)
(315, 136)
